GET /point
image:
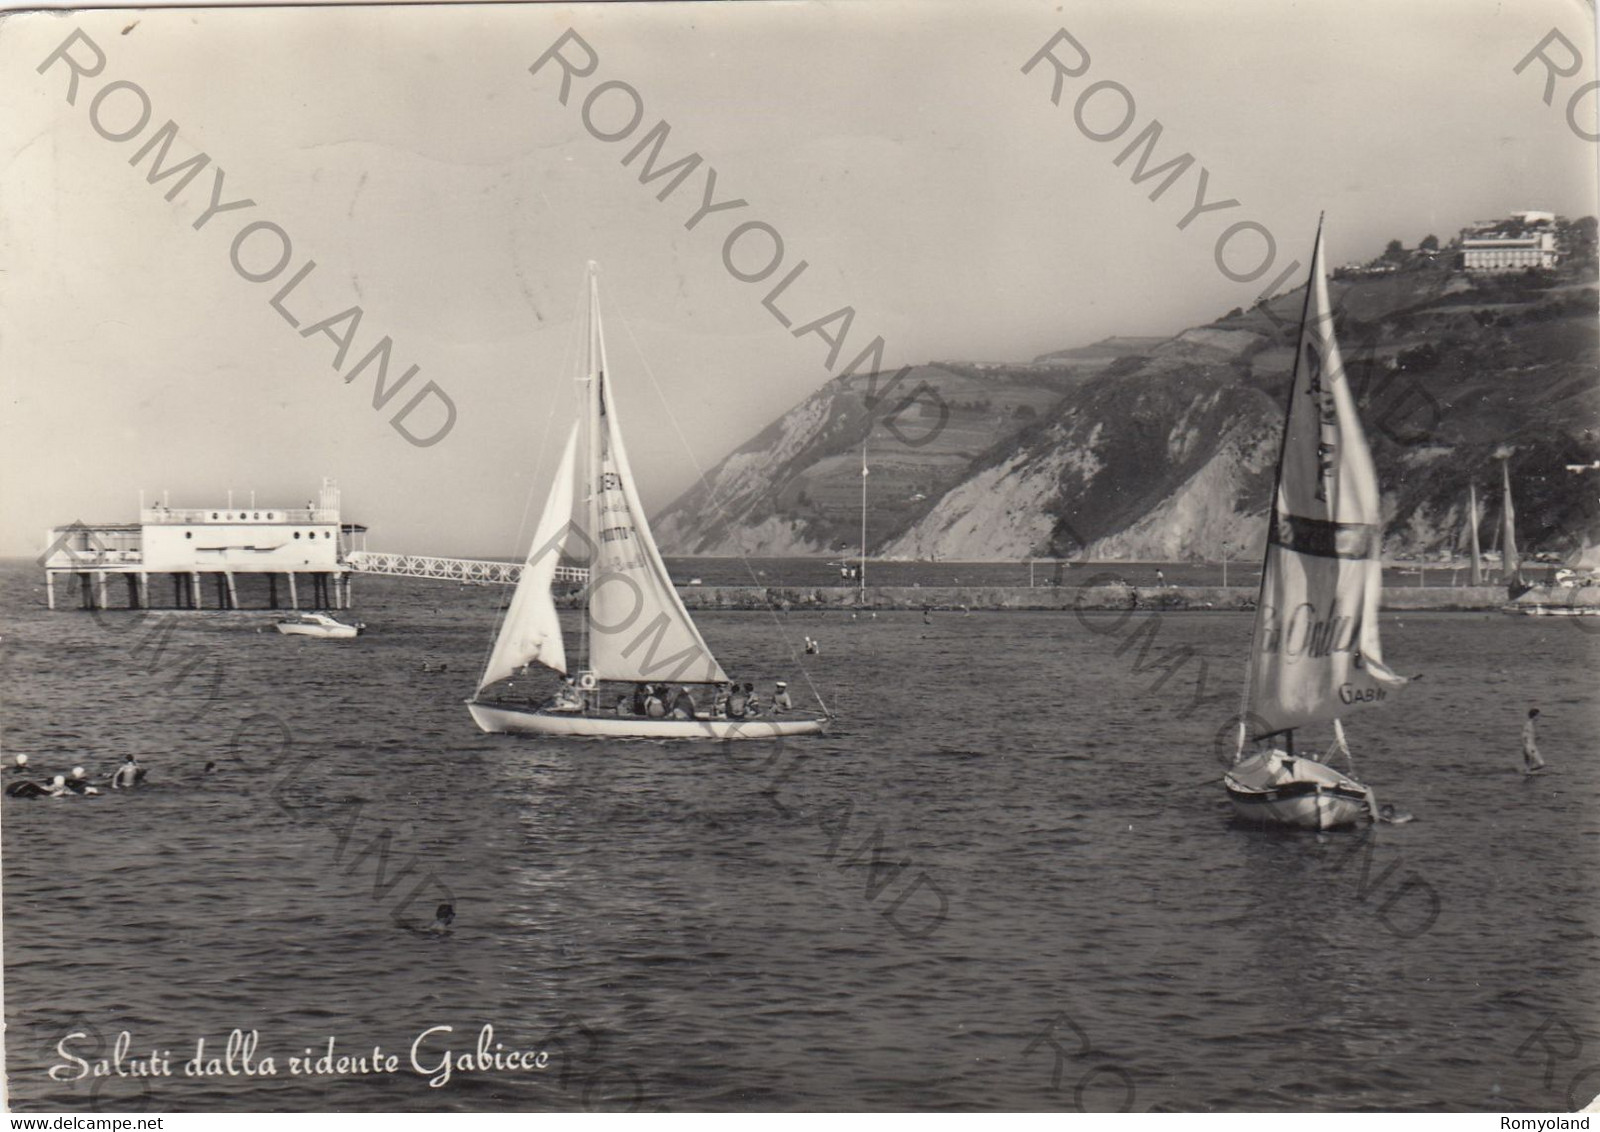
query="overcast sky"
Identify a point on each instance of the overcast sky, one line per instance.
(897, 148)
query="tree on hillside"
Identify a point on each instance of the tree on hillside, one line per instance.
(1395, 252)
(1429, 243)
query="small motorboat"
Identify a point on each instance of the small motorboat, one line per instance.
(319, 625)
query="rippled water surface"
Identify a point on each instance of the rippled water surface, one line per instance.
(701, 926)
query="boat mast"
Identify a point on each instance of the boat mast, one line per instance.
(861, 574)
(1277, 486)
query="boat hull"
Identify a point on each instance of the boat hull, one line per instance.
(498, 719)
(1275, 789)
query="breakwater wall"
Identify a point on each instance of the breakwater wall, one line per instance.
(1109, 597)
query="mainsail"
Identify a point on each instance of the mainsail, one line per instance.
(1315, 653)
(1510, 561)
(532, 632)
(1472, 523)
(638, 628)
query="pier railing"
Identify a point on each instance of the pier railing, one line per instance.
(450, 569)
(238, 515)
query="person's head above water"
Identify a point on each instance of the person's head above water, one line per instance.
(782, 684)
(128, 759)
(77, 772)
(59, 780)
(445, 913)
(21, 760)
(1532, 712)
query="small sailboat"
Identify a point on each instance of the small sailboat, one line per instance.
(1472, 527)
(1510, 560)
(635, 632)
(1314, 650)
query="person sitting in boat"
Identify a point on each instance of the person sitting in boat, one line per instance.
(738, 701)
(655, 704)
(640, 693)
(567, 698)
(624, 706)
(683, 705)
(780, 698)
(127, 775)
(78, 782)
(752, 702)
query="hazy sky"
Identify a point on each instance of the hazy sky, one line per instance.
(896, 147)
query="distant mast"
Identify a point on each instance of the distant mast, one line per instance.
(1472, 523)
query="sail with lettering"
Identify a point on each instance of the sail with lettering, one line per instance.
(531, 632)
(637, 635)
(638, 627)
(1315, 653)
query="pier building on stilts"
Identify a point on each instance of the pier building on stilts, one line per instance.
(247, 557)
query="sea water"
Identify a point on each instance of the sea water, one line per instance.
(1007, 877)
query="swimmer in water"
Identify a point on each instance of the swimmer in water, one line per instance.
(79, 782)
(19, 765)
(58, 787)
(443, 917)
(127, 775)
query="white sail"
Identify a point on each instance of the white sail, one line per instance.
(1472, 520)
(531, 632)
(1315, 652)
(1510, 561)
(638, 627)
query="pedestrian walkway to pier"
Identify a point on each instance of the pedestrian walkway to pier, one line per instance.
(477, 570)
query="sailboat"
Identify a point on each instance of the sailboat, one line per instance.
(1472, 520)
(1510, 560)
(1314, 654)
(635, 629)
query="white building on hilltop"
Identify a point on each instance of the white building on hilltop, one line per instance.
(1523, 240)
